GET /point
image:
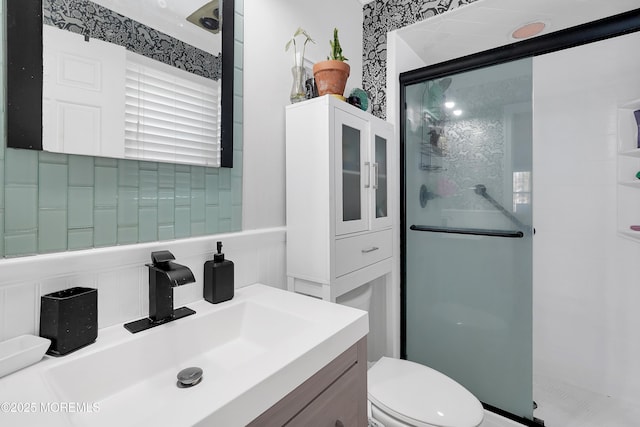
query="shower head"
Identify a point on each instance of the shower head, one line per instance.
(480, 189)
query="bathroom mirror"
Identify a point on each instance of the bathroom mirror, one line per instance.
(146, 80)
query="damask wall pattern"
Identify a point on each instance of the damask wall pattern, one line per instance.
(90, 19)
(380, 17)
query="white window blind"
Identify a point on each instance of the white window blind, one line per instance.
(171, 115)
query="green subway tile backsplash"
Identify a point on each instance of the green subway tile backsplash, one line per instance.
(21, 209)
(80, 207)
(80, 238)
(21, 166)
(147, 224)
(106, 186)
(127, 235)
(52, 230)
(183, 221)
(105, 227)
(55, 202)
(52, 186)
(81, 171)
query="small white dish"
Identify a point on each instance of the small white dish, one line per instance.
(20, 352)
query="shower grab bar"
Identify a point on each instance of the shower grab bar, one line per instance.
(481, 190)
(469, 231)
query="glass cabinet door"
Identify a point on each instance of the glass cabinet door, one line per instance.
(381, 178)
(353, 173)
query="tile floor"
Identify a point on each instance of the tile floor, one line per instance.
(564, 405)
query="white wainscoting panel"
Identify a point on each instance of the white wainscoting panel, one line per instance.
(120, 275)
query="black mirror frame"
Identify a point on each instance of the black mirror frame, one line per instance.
(24, 76)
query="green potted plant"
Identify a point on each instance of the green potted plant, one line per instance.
(298, 92)
(331, 75)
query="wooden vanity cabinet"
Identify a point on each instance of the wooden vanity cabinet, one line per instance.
(335, 396)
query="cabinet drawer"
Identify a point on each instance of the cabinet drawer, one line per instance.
(338, 405)
(354, 253)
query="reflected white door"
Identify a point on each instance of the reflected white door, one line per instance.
(83, 95)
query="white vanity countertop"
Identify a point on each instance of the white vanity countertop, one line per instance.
(254, 350)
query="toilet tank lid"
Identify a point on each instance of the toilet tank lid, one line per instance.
(419, 395)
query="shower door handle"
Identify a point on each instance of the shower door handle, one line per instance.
(469, 231)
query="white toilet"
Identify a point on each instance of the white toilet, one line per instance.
(407, 394)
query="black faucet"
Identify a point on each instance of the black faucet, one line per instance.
(164, 274)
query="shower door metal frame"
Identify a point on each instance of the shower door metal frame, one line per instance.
(613, 26)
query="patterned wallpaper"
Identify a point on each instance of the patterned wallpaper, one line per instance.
(380, 17)
(88, 18)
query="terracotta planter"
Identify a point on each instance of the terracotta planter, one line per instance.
(331, 77)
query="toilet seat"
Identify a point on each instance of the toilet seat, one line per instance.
(420, 396)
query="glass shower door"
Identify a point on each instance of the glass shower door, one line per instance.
(468, 245)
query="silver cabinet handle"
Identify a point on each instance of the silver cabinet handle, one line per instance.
(368, 166)
(371, 249)
(375, 180)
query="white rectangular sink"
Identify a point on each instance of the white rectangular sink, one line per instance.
(253, 350)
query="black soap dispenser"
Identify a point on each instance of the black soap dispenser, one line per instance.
(218, 278)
